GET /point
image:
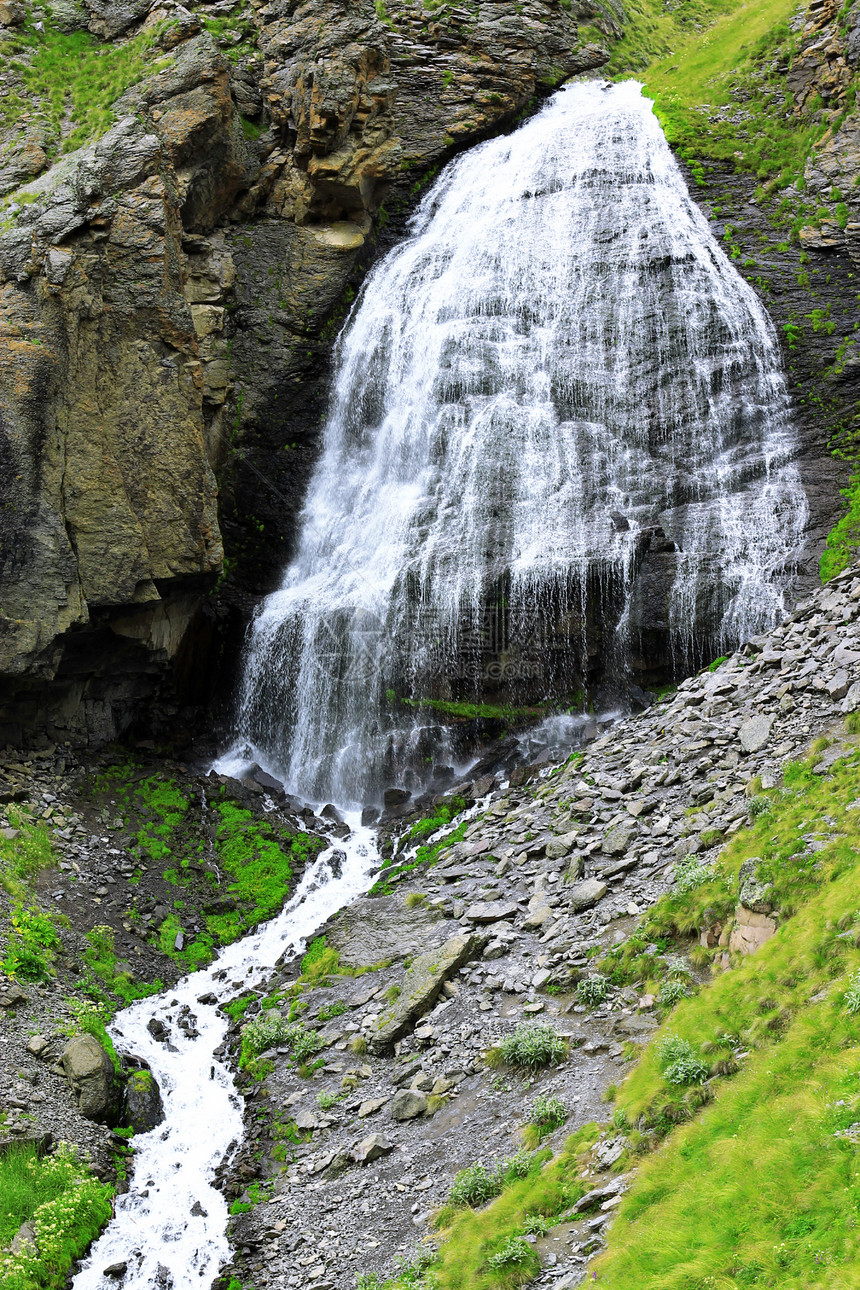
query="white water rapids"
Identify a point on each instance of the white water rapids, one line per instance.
(558, 381)
(171, 1226)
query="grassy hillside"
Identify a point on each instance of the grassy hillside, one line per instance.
(702, 60)
(762, 1187)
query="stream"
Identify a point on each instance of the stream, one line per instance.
(170, 1228)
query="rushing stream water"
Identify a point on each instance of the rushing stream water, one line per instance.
(171, 1226)
(557, 377)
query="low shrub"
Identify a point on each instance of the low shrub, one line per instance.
(532, 1046)
(271, 1030)
(680, 1062)
(593, 990)
(548, 1112)
(474, 1186)
(671, 992)
(514, 1253)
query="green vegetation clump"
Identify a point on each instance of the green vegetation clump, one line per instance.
(843, 540)
(270, 1030)
(74, 79)
(593, 990)
(23, 856)
(426, 853)
(66, 1205)
(477, 711)
(547, 1112)
(533, 1046)
(259, 860)
(29, 945)
(443, 815)
(474, 1185)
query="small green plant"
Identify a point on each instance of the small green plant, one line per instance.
(516, 1166)
(691, 873)
(671, 992)
(514, 1253)
(536, 1225)
(548, 1112)
(680, 1062)
(852, 994)
(593, 990)
(326, 1100)
(330, 1010)
(473, 1186)
(532, 1046)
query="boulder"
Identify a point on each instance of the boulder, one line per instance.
(408, 1104)
(755, 894)
(618, 840)
(372, 930)
(851, 702)
(143, 1106)
(393, 797)
(750, 931)
(491, 911)
(587, 893)
(424, 980)
(91, 1074)
(755, 732)
(560, 847)
(24, 1239)
(371, 1149)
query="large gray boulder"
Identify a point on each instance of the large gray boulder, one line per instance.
(94, 1082)
(143, 1106)
(755, 733)
(586, 893)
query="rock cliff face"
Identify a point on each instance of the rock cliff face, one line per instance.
(164, 293)
(169, 293)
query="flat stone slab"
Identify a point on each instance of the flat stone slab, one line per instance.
(373, 930)
(755, 733)
(491, 911)
(584, 894)
(619, 839)
(424, 980)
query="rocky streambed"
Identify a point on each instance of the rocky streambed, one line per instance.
(351, 1147)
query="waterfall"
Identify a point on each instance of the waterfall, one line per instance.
(557, 384)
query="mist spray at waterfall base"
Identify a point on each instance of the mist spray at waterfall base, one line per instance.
(559, 439)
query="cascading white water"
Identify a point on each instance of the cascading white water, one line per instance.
(171, 1227)
(559, 363)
